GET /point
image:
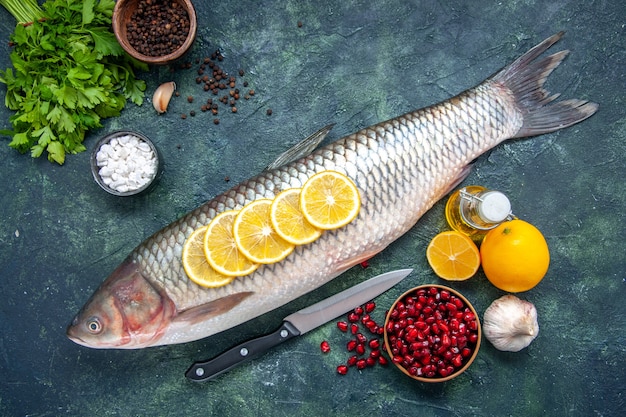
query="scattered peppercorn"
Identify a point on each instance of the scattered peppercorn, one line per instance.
(183, 116)
(216, 121)
(213, 82)
(299, 24)
(269, 112)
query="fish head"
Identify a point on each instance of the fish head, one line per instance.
(126, 312)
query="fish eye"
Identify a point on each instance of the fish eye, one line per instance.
(94, 326)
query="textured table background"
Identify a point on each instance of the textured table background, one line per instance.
(353, 64)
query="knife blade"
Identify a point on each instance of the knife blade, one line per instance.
(297, 324)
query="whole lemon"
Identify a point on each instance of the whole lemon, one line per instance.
(515, 256)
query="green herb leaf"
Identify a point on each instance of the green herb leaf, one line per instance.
(68, 73)
(56, 152)
(88, 14)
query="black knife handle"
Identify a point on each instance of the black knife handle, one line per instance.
(203, 371)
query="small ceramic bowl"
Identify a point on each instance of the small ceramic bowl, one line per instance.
(125, 163)
(417, 345)
(122, 15)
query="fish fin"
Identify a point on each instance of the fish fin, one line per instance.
(302, 148)
(525, 78)
(211, 309)
(355, 261)
(467, 169)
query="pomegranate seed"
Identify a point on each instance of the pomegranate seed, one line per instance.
(457, 361)
(361, 338)
(343, 326)
(352, 360)
(375, 354)
(342, 369)
(369, 307)
(382, 360)
(354, 329)
(370, 361)
(353, 317)
(351, 345)
(358, 310)
(360, 349)
(374, 343)
(325, 347)
(361, 364)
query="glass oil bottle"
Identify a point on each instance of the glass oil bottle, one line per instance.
(474, 210)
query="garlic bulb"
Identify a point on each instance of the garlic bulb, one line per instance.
(510, 324)
(162, 95)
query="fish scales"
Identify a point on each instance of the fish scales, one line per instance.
(369, 157)
(401, 167)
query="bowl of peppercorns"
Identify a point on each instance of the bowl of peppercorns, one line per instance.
(432, 333)
(155, 31)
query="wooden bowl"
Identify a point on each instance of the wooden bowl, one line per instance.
(122, 14)
(416, 370)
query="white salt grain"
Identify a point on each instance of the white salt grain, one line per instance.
(126, 163)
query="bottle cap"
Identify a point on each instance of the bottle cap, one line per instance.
(495, 207)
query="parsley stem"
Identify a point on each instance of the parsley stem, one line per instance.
(24, 11)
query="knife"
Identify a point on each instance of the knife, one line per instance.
(297, 324)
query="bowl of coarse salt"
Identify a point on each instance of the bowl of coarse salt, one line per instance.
(125, 163)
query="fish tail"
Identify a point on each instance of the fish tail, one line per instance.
(525, 78)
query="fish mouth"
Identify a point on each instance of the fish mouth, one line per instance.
(70, 332)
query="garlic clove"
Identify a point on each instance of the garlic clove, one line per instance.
(510, 324)
(162, 96)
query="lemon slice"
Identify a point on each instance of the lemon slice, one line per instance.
(330, 200)
(289, 222)
(255, 236)
(221, 250)
(195, 263)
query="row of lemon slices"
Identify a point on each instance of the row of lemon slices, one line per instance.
(266, 231)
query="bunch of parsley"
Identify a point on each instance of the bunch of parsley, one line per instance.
(69, 72)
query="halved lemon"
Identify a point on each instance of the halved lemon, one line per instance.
(453, 256)
(256, 238)
(221, 250)
(289, 222)
(195, 263)
(330, 200)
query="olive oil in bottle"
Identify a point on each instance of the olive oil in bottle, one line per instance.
(474, 210)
